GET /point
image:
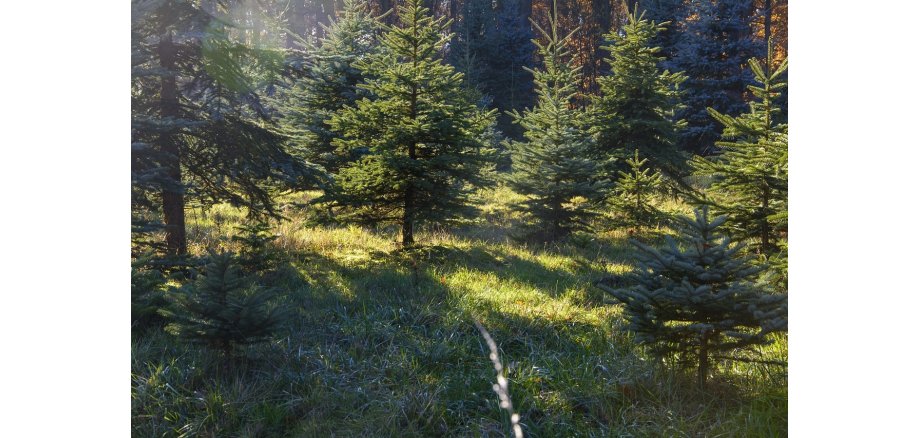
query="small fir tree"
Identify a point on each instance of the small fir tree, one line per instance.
(329, 84)
(552, 166)
(223, 309)
(751, 174)
(147, 295)
(634, 192)
(421, 127)
(638, 101)
(700, 301)
(255, 239)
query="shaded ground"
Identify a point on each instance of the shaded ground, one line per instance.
(384, 346)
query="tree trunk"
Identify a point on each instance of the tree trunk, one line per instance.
(704, 358)
(409, 201)
(764, 222)
(172, 195)
(409, 206)
(639, 212)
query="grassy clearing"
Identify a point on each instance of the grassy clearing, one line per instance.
(386, 346)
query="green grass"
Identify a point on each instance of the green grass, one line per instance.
(384, 346)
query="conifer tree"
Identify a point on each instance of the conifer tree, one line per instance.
(223, 309)
(421, 127)
(147, 295)
(552, 166)
(198, 125)
(508, 79)
(634, 191)
(674, 12)
(471, 47)
(255, 238)
(330, 83)
(699, 301)
(751, 174)
(717, 41)
(638, 101)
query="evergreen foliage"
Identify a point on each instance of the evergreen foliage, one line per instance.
(330, 83)
(255, 239)
(751, 174)
(492, 48)
(712, 52)
(421, 127)
(673, 12)
(638, 101)
(552, 166)
(223, 309)
(699, 302)
(508, 77)
(147, 295)
(471, 47)
(634, 192)
(198, 127)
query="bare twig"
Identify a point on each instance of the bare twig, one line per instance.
(501, 388)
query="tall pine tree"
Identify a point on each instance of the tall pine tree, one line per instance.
(198, 128)
(751, 174)
(552, 166)
(421, 128)
(638, 101)
(330, 83)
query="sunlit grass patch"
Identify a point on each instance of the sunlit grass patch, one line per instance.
(384, 345)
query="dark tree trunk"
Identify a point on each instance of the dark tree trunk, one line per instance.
(172, 195)
(704, 358)
(764, 223)
(408, 212)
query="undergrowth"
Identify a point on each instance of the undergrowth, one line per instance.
(384, 344)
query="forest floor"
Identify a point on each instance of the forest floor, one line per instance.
(385, 345)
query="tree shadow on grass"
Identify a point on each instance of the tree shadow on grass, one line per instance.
(382, 348)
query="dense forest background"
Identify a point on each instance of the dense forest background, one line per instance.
(491, 42)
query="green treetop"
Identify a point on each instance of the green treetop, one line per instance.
(422, 131)
(552, 166)
(634, 191)
(638, 101)
(751, 174)
(330, 83)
